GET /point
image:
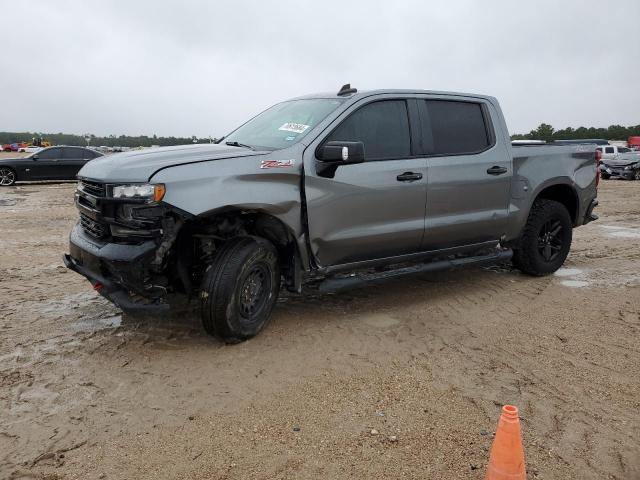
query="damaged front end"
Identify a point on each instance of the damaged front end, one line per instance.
(122, 242)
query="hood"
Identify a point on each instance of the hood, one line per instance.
(141, 165)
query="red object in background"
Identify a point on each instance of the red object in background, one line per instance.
(633, 142)
(14, 147)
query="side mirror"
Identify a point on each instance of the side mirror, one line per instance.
(35, 157)
(332, 155)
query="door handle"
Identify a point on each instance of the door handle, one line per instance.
(409, 177)
(495, 170)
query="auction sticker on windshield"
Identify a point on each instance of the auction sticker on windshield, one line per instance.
(294, 127)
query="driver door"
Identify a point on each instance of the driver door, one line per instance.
(44, 164)
(374, 209)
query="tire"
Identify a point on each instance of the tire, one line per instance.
(546, 239)
(7, 176)
(605, 176)
(239, 289)
(636, 175)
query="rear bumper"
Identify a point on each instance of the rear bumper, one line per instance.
(116, 271)
(589, 216)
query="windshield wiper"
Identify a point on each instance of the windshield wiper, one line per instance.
(238, 144)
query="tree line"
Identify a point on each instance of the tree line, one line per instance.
(96, 141)
(548, 133)
(543, 132)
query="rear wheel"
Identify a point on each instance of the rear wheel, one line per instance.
(636, 175)
(546, 239)
(239, 289)
(7, 176)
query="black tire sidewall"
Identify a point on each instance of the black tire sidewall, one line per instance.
(235, 321)
(528, 257)
(221, 315)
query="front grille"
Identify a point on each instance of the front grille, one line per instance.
(93, 188)
(93, 228)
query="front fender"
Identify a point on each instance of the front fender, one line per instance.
(239, 184)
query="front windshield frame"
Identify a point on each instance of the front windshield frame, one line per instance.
(292, 131)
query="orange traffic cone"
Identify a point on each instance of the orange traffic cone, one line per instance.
(506, 461)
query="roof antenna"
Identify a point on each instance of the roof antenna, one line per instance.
(346, 90)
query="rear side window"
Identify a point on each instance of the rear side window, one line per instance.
(71, 153)
(382, 126)
(454, 128)
(608, 150)
(88, 154)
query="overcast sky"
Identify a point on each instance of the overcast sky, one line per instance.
(201, 67)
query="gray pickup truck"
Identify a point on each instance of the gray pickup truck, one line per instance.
(328, 190)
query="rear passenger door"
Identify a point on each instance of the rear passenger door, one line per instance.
(74, 159)
(70, 162)
(469, 173)
(373, 209)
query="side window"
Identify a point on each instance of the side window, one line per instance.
(599, 149)
(71, 153)
(623, 150)
(608, 150)
(382, 126)
(49, 154)
(88, 154)
(454, 128)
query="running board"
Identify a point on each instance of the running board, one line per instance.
(357, 280)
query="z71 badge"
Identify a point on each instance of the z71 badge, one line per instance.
(276, 163)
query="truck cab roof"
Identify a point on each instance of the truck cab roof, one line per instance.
(357, 95)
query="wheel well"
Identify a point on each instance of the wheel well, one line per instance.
(565, 195)
(205, 234)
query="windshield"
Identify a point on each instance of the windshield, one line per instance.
(283, 124)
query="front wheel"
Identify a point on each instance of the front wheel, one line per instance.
(605, 176)
(636, 175)
(239, 289)
(7, 176)
(546, 239)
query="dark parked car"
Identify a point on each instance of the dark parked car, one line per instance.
(53, 163)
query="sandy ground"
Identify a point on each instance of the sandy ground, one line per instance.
(426, 361)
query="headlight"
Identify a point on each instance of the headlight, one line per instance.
(631, 167)
(154, 192)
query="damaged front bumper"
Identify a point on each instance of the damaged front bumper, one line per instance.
(119, 272)
(619, 171)
(123, 246)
